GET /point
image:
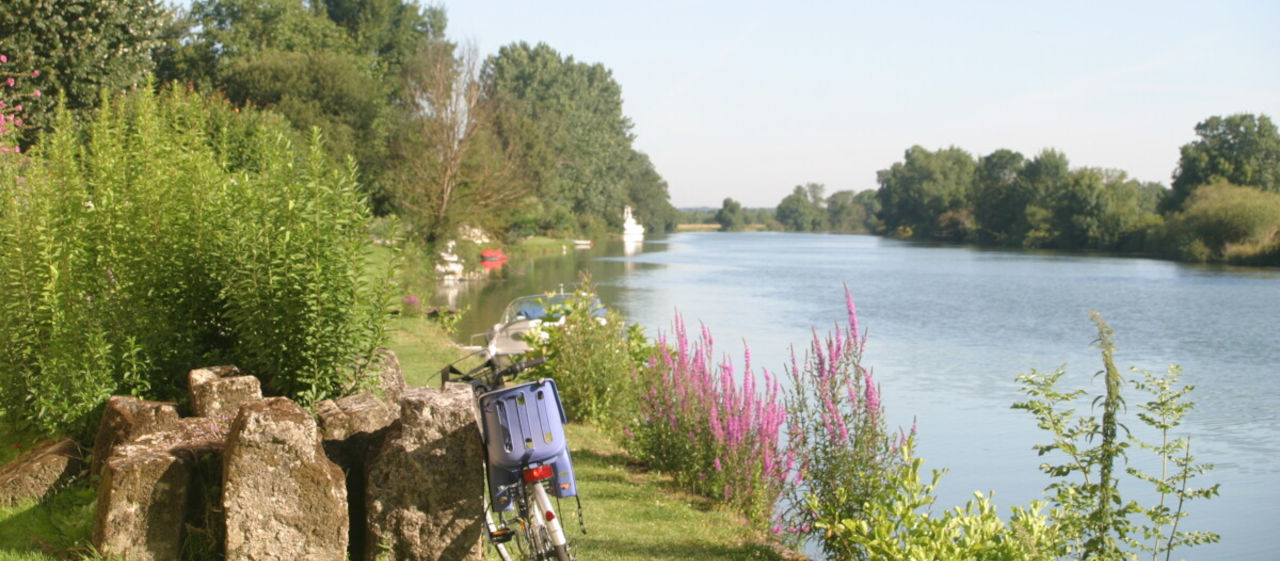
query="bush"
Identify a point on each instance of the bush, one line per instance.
(716, 437)
(1223, 222)
(166, 233)
(589, 354)
(901, 526)
(837, 437)
(1090, 515)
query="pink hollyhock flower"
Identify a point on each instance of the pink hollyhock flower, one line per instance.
(4, 58)
(35, 73)
(37, 93)
(9, 82)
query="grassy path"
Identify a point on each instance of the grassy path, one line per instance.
(635, 515)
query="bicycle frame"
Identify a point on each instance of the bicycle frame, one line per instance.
(522, 427)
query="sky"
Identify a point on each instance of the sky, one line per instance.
(749, 99)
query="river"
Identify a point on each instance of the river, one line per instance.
(949, 330)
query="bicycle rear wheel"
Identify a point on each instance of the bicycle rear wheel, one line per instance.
(493, 526)
(539, 532)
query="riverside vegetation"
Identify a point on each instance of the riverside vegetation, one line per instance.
(1224, 204)
(816, 464)
(149, 232)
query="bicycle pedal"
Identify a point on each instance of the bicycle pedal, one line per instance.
(501, 535)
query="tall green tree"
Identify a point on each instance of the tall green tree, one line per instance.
(999, 203)
(1041, 181)
(926, 185)
(334, 65)
(730, 216)
(577, 144)
(451, 167)
(646, 192)
(79, 47)
(852, 213)
(800, 212)
(1242, 149)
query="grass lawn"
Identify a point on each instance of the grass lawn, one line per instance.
(632, 514)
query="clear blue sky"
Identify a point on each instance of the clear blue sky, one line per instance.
(748, 99)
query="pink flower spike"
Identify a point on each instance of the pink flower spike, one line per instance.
(35, 73)
(9, 82)
(36, 93)
(4, 58)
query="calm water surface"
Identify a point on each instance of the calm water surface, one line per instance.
(951, 328)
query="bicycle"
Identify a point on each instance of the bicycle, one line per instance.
(525, 453)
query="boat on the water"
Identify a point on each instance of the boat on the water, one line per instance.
(493, 255)
(523, 315)
(632, 229)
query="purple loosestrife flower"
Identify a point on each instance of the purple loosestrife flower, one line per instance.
(872, 397)
(853, 311)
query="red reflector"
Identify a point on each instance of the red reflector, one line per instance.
(550, 516)
(537, 474)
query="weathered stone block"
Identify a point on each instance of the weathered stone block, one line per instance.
(33, 474)
(283, 499)
(126, 418)
(221, 390)
(345, 417)
(141, 502)
(390, 377)
(426, 479)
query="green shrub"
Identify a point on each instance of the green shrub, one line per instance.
(590, 356)
(1093, 519)
(1224, 222)
(900, 524)
(166, 233)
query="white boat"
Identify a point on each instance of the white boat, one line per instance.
(631, 228)
(509, 336)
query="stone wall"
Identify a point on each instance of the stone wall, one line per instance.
(252, 478)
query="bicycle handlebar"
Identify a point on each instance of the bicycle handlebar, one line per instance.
(486, 373)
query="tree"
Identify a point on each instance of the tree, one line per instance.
(576, 142)
(914, 193)
(335, 65)
(1225, 222)
(798, 212)
(80, 47)
(730, 216)
(451, 165)
(1243, 149)
(852, 213)
(646, 192)
(999, 205)
(1041, 181)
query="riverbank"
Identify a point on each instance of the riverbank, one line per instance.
(630, 514)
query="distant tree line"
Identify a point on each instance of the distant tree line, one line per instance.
(524, 141)
(1224, 204)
